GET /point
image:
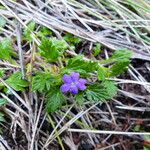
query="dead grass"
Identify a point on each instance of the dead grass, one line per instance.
(115, 24)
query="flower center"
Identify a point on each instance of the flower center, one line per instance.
(73, 83)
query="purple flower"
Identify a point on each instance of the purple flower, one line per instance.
(73, 83)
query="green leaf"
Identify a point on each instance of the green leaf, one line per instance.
(2, 72)
(121, 55)
(102, 73)
(2, 117)
(6, 49)
(80, 98)
(97, 49)
(122, 60)
(119, 62)
(55, 100)
(102, 91)
(2, 101)
(2, 22)
(43, 81)
(52, 49)
(27, 32)
(72, 39)
(44, 32)
(16, 82)
(79, 65)
(119, 68)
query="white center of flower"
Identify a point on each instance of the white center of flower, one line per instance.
(73, 83)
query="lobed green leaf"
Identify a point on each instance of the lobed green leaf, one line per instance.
(52, 49)
(43, 81)
(6, 49)
(16, 82)
(102, 91)
(29, 30)
(55, 100)
(77, 64)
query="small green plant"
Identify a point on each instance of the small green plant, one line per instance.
(97, 49)
(52, 49)
(66, 75)
(6, 49)
(27, 32)
(16, 82)
(61, 76)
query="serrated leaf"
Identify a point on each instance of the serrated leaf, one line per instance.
(122, 55)
(102, 91)
(111, 88)
(97, 49)
(44, 32)
(72, 39)
(118, 68)
(119, 62)
(2, 22)
(16, 82)
(43, 81)
(27, 32)
(52, 49)
(6, 50)
(102, 73)
(80, 98)
(79, 65)
(2, 73)
(2, 101)
(55, 100)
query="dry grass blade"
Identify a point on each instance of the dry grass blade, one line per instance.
(115, 24)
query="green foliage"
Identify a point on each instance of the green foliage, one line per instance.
(30, 29)
(6, 50)
(44, 32)
(1, 118)
(122, 60)
(43, 81)
(79, 65)
(55, 100)
(119, 62)
(102, 73)
(16, 82)
(2, 22)
(2, 101)
(51, 49)
(118, 68)
(97, 49)
(101, 92)
(80, 98)
(121, 55)
(2, 73)
(72, 39)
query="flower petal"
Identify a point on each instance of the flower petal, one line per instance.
(75, 76)
(74, 90)
(66, 78)
(82, 81)
(81, 87)
(65, 88)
